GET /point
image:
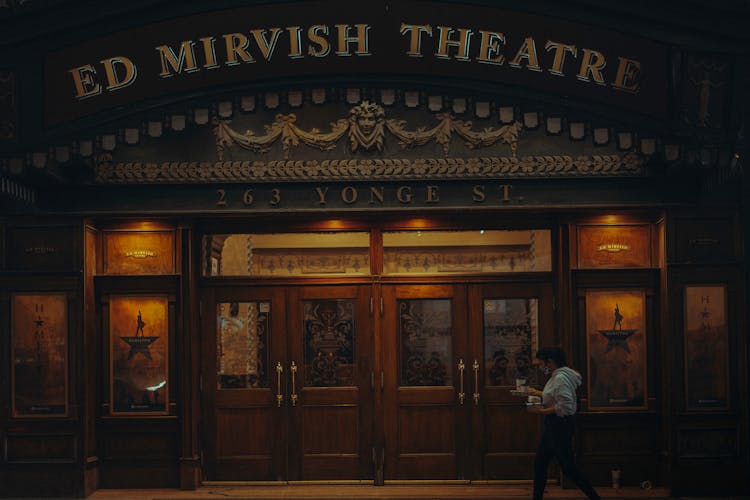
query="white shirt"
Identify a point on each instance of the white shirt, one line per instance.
(560, 391)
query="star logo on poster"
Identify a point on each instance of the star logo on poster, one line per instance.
(617, 336)
(139, 343)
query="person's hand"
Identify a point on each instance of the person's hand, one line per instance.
(535, 409)
(533, 392)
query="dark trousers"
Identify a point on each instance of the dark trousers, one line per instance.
(557, 442)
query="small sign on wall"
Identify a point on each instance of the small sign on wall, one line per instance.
(608, 247)
(138, 252)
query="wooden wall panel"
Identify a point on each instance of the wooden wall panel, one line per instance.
(40, 448)
(139, 446)
(712, 443)
(138, 252)
(626, 442)
(616, 246)
(703, 240)
(43, 248)
(47, 480)
(143, 454)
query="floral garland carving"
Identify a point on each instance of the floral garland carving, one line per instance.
(630, 164)
(365, 126)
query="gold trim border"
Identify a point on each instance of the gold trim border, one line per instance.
(548, 166)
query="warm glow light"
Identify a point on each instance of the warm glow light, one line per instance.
(146, 226)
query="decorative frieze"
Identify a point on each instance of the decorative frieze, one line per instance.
(614, 165)
(365, 129)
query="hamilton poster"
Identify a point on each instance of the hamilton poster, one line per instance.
(39, 340)
(616, 341)
(139, 348)
(706, 347)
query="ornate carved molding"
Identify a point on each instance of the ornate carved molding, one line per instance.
(366, 126)
(628, 165)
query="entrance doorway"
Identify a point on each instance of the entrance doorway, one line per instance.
(287, 392)
(290, 385)
(451, 354)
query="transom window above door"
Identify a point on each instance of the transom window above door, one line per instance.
(287, 254)
(466, 252)
(404, 253)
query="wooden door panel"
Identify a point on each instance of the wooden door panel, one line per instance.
(511, 439)
(243, 340)
(330, 342)
(504, 436)
(423, 340)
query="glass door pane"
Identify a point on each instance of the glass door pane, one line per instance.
(425, 335)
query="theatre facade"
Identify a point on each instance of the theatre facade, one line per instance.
(275, 242)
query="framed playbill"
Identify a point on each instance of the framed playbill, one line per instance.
(706, 347)
(139, 355)
(39, 353)
(616, 349)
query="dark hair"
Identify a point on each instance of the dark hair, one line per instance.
(554, 353)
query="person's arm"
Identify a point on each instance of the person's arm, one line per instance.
(542, 410)
(533, 391)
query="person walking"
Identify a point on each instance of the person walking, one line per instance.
(559, 408)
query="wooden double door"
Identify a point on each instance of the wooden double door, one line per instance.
(370, 381)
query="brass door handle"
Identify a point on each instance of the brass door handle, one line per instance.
(461, 393)
(476, 381)
(293, 397)
(279, 396)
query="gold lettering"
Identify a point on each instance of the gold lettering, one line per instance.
(505, 192)
(349, 195)
(319, 40)
(628, 74)
(295, 42)
(248, 198)
(275, 197)
(321, 195)
(432, 194)
(85, 81)
(236, 44)
(222, 201)
(113, 80)
(140, 254)
(415, 31)
(490, 47)
(209, 52)
(613, 247)
(592, 62)
(376, 193)
(169, 58)
(528, 52)
(559, 61)
(362, 40)
(462, 44)
(266, 47)
(403, 194)
(478, 193)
